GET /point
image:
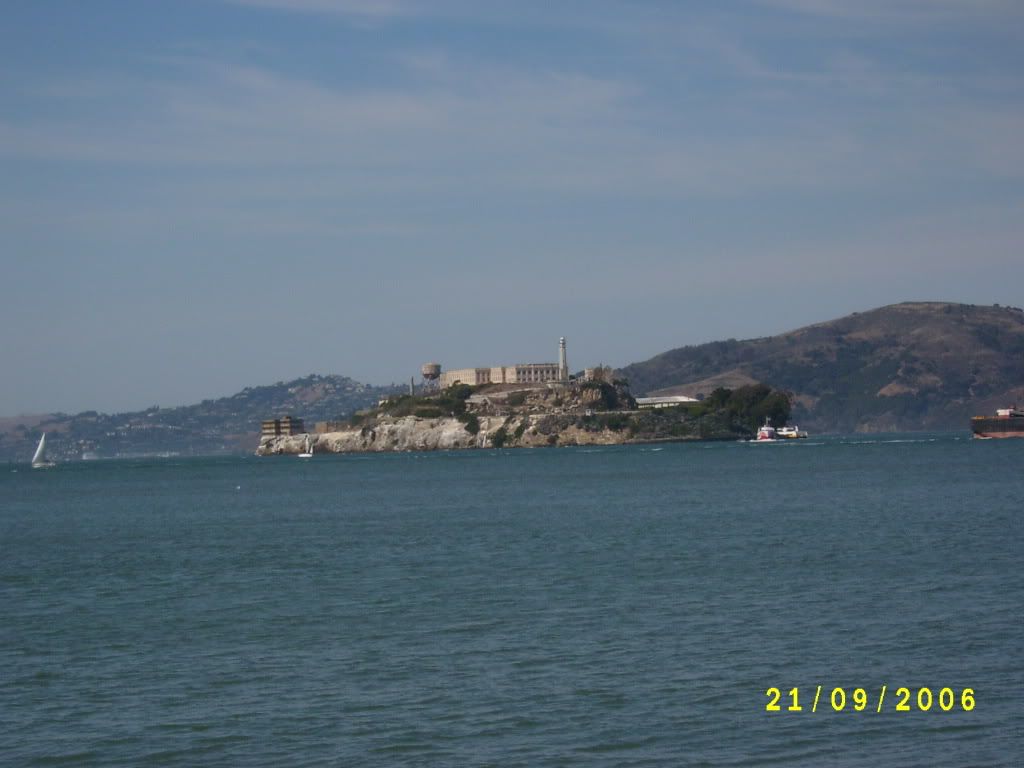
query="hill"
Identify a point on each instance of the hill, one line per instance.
(227, 425)
(904, 367)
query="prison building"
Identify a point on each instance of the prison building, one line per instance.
(523, 373)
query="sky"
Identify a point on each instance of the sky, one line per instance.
(202, 195)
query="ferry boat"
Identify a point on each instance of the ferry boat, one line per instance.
(1008, 422)
(766, 433)
(791, 433)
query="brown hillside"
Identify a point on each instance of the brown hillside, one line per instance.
(912, 366)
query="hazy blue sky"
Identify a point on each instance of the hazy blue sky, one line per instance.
(200, 195)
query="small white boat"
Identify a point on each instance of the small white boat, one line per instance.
(39, 460)
(307, 452)
(790, 433)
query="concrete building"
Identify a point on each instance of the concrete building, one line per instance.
(471, 376)
(521, 373)
(287, 425)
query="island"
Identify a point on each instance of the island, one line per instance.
(598, 410)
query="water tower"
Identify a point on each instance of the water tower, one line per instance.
(431, 371)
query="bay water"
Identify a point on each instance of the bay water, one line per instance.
(620, 606)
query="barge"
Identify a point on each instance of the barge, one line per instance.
(1008, 422)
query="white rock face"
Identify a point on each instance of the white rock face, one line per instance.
(411, 433)
(407, 433)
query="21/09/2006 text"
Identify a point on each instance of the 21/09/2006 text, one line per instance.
(859, 700)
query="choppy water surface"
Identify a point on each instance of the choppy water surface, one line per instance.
(606, 607)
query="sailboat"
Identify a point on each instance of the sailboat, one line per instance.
(308, 452)
(39, 459)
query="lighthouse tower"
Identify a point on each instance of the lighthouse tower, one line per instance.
(563, 366)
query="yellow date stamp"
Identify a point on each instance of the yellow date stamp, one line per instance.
(903, 699)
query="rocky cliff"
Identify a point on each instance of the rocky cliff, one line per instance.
(413, 433)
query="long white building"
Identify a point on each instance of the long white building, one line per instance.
(521, 373)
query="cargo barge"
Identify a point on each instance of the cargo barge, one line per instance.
(1008, 422)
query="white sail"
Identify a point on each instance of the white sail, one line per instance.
(40, 456)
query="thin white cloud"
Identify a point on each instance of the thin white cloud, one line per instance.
(450, 130)
(330, 157)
